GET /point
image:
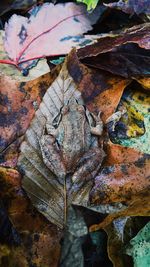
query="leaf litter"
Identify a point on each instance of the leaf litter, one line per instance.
(99, 90)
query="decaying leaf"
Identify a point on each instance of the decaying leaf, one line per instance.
(132, 6)
(137, 102)
(139, 247)
(100, 90)
(59, 27)
(145, 82)
(120, 232)
(127, 60)
(138, 34)
(52, 195)
(18, 104)
(121, 182)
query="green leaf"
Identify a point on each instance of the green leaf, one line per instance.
(91, 4)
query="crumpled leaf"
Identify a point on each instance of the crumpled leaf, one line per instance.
(127, 60)
(50, 196)
(139, 247)
(138, 34)
(91, 4)
(59, 27)
(132, 6)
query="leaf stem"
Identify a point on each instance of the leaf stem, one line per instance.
(7, 61)
(65, 202)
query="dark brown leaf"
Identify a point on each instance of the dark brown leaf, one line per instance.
(100, 90)
(128, 61)
(138, 34)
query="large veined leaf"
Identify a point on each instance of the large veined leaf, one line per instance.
(50, 30)
(51, 197)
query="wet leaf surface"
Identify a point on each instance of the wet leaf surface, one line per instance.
(138, 34)
(128, 61)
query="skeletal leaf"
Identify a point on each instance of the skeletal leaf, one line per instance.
(51, 197)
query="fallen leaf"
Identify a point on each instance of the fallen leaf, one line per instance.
(41, 67)
(145, 82)
(19, 100)
(136, 100)
(139, 247)
(117, 154)
(39, 240)
(138, 34)
(100, 90)
(123, 183)
(127, 60)
(23, 36)
(120, 232)
(51, 195)
(131, 6)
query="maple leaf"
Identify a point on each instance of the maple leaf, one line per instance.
(49, 30)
